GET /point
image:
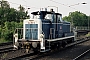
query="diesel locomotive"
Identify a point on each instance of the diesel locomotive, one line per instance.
(44, 31)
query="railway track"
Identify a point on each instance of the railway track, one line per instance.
(6, 47)
(76, 58)
(16, 54)
(7, 43)
(22, 56)
(76, 52)
(81, 55)
(78, 41)
(31, 56)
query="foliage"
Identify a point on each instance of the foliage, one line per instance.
(8, 29)
(11, 14)
(77, 18)
(88, 35)
(3, 40)
(10, 19)
(21, 9)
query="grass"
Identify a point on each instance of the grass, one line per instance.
(3, 40)
(4, 55)
(88, 35)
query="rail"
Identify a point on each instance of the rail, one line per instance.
(34, 56)
(82, 54)
(6, 43)
(76, 58)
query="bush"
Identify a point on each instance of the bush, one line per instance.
(7, 31)
(3, 40)
(88, 35)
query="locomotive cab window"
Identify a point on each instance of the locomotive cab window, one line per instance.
(51, 17)
(59, 18)
(48, 16)
(36, 17)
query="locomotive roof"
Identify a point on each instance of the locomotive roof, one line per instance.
(44, 12)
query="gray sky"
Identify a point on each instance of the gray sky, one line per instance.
(63, 5)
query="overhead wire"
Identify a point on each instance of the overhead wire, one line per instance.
(39, 8)
(62, 4)
(50, 0)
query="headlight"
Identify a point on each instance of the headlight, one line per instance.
(41, 36)
(16, 35)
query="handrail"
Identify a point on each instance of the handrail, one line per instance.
(82, 28)
(17, 29)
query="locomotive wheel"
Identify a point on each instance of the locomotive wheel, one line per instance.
(34, 44)
(16, 45)
(35, 50)
(58, 45)
(63, 44)
(27, 48)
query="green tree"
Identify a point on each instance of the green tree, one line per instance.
(4, 7)
(10, 19)
(4, 4)
(22, 13)
(8, 30)
(77, 18)
(21, 8)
